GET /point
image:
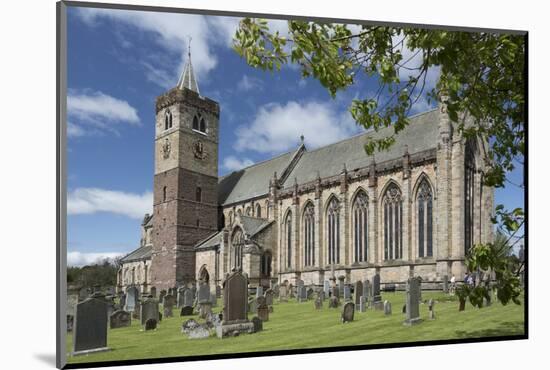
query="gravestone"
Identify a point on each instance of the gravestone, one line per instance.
(290, 291)
(235, 298)
(347, 293)
(189, 325)
(269, 297)
(90, 326)
(376, 289)
(150, 324)
(431, 313)
(309, 293)
(149, 310)
(321, 295)
(367, 290)
(362, 304)
(318, 303)
(205, 309)
(168, 311)
(122, 301)
(218, 291)
(169, 300)
(358, 292)
(188, 298)
(162, 294)
(204, 293)
(153, 291)
(387, 308)
(413, 309)
(283, 293)
(83, 293)
(186, 311)
(341, 279)
(259, 291)
(326, 288)
(333, 302)
(348, 312)
(299, 283)
(263, 312)
(132, 295)
(419, 289)
(120, 319)
(137, 311)
(258, 324)
(301, 293)
(335, 292)
(252, 305)
(213, 299)
(180, 297)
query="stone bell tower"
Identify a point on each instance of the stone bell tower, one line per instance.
(185, 201)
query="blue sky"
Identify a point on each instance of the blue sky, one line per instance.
(119, 61)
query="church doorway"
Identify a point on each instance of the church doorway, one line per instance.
(204, 276)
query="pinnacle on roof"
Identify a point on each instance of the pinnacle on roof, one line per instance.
(187, 79)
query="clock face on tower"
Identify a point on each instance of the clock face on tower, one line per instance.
(198, 150)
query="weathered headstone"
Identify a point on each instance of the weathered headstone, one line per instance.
(376, 289)
(258, 324)
(188, 298)
(205, 309)
(132, 295)
(413, 309)
(90, 326)
(334, 302)
(326, 288)
(358, 292)
(362, 304)
(387, 308)
(348, 312)
(335, 292)
(169, 300)
(137, 311)
(153, 291)
(189, 325)
(83, 293)
(200, 332)
(259, 291)
(213, 299)
(290, 291)
(301, 293)
(431, 313)
(341, 279)
(149, 310)
(235, 298)
(204, 293)
(252, 305)
(321, 295)
(122, 301)
(283, 293)
(347, 293)
(269, 297)
(180, 297)
(309, 293)
(263, 312)
(120, 319)
(163, 292)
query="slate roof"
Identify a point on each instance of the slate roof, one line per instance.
(253, 225)
(421, 134)
(139, 254)
(253, 181)
(211, 241)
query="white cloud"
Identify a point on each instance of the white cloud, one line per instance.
(172, 32)
(84, 258)
(99, 108)
(93, 200)
(233, 163)
(250, 83)
(277, 128)
(75, 130)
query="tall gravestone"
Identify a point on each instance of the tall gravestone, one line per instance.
(168, 305)
(90, 327)
(445, 284)
(357, 292)
(179, 299)
(188, 298)
(162, 294)
(341, 279)
(326, 288)
(204, 300)
(120, 319)
(149, 311)
(283, 293)
(269, 297)
(235, 298)
(348, 312)
(153, 291)
(132, 295)
(413, 307)
(259, 291)
(367, 291)
(376, 297)
(347, 293)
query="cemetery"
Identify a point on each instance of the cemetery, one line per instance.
(188, 323)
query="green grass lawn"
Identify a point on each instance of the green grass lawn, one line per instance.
(298, 325)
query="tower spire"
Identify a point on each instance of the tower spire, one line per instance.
(187, 78)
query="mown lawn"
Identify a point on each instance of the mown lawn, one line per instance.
(298, 325)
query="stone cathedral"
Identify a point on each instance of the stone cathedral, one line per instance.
(414, 210)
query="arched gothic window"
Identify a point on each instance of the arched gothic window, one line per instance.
(424, 200)
(393, 228)
(265, 265)
(237, 244)
(230, 217)
(202, 125)
(333, 231)
(360, 227)
(288, 239)
(167, 119)
(258, 211)
(240, 212)
(469, 176)
(309, 235)
(195, 123)
(248, 211)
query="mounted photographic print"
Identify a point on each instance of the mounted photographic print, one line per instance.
(236, 185)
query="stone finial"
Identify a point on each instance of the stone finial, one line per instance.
(406, 163)
(344, 179)
(302, 139)
(318, 186)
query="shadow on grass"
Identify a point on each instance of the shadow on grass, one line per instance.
(505, 328)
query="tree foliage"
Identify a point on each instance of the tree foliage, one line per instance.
(481, 86)
(102, 273)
